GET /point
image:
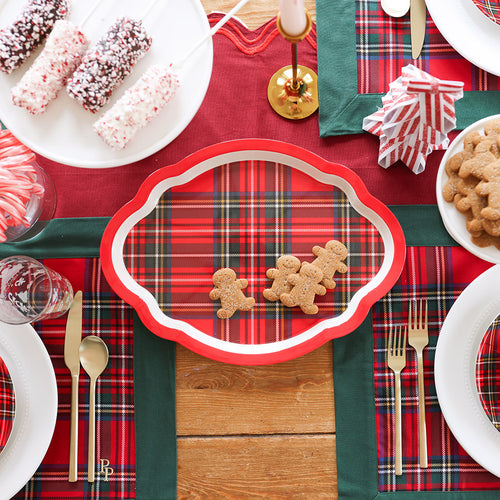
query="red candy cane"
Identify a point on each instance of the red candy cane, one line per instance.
(17, 182)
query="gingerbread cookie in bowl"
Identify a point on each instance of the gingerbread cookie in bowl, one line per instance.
(490, 187)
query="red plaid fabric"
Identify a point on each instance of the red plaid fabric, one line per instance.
(383, 49)
(490, 8)
(488, 372)
(108, 317)
(438, 274)
(7, 404)
(245, 215)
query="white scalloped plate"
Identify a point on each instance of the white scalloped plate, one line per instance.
(453, 220)
(35, 386)
(64, 132)
(455, 369)
(468, 31)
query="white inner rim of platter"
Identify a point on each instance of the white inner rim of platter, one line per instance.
(455, 369)
(160, 188)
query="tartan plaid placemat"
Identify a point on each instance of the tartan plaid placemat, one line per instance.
(135, 428)
(245, 215)
(488, 372)
(361, 50)
(7, 404)
(438, 273)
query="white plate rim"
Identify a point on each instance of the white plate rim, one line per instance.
(468, 31)
(163, 129)
(455, 369)
(35, 387)
(453, 220)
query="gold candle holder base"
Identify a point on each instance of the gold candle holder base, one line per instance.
(293, 102)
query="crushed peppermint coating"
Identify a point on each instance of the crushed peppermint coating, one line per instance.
(138, 105)
(29, 30)
(62, 53)
(104, 66)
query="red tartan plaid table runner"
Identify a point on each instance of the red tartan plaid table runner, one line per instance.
(7, 404)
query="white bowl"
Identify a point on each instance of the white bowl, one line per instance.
(453, 220)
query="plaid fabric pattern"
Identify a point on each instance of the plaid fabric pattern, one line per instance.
(7, 404)
(383, 46)
(488, 372)
(244, 215)
(490, 8)
(434, 273)
(108, 317)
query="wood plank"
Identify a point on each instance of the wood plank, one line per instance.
(298, 467)
(255, 12)
(220, 399)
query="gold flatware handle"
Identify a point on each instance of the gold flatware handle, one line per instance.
(422, 430)
(73, 442)
(91, 457)
(398, 436)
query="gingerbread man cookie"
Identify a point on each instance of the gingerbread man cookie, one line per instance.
(476, 165)
(492, 127)
(490, 187)
(228, 291)
(305, 288)
(450, 189)
(329, 260)
(470, 200)
(285, 265)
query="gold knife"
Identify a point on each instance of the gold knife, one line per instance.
(72, 359)
(418, 15)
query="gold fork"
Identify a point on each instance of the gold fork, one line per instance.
(396, 360)
(418, 338)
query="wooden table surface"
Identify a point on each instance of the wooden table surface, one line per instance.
(256, 432)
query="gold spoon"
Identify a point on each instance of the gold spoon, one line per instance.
(94, 359)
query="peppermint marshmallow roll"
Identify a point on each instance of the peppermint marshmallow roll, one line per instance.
(138, 105)
(104, 67)
(29, 30)
(48, 74)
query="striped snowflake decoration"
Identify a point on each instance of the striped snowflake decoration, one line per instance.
(416, 116)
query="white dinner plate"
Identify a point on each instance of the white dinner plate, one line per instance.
(468, 31)
(64, 132)
(455, 369)
(35, 387)
(453, 220)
